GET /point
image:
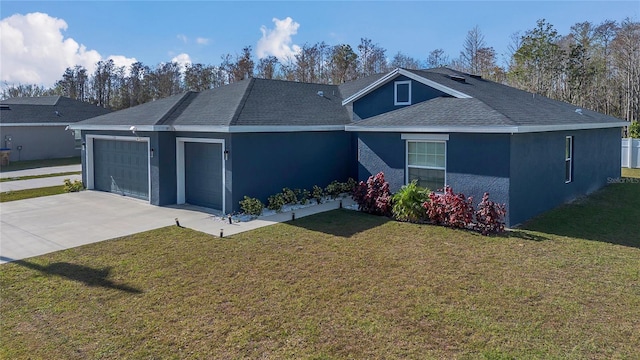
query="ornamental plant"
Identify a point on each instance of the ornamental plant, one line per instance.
(634, 130)
(302, 195)
(289, 196)
(490, 216)
(334, 189)
(373, 197)
(251, 206)
(449, 209)
(276, 202)
(74, 186)
(407, 203)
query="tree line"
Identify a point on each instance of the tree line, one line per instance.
(595, 66)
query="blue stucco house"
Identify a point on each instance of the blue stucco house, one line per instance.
(439, 127)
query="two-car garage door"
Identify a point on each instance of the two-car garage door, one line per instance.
(121, 167)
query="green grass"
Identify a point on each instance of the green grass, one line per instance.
(40, 176)
(33, 164)
(31, 193)
(631, 173)
(339, 285)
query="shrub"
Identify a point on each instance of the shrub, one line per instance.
(490, 216)
(449, 209)
(276, 202)
(302, 195)
(317, 193)
(289, 196)
(74, 186)
(407, 203)
(334, 189)
(373, 197)
(634, 130)
(251, 206)
(348, 186)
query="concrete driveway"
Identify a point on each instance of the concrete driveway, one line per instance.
(42, 225)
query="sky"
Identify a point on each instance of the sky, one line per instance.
(40, 39)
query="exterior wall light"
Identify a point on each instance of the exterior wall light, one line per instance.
(226, 155)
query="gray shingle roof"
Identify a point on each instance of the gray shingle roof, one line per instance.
(441, 111)
(46, 109)
(252, 102)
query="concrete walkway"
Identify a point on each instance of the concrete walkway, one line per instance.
(41, 171)
(42, 225)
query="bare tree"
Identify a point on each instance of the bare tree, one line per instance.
(401, 60)
(437, 58)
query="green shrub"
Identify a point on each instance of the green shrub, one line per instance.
(334, 189)
(348, 186)
(74, 186)
(251, 206)
(407, 203)
(302, 195)
(634, 130)
(289, 196)
(317, 193)
(276, 202)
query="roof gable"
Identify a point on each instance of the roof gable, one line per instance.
(46, 110)
(398, 72)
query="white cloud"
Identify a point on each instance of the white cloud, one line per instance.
(35, 51)
(183, 60)
(277, 42)
(202, 41)
(182, 38)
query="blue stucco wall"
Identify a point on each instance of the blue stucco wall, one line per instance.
(381, 100)
(479, 163)
(264, 163)
(382, 152)
(538, 168)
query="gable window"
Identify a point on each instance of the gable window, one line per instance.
(426, 160)
(402, 92)
(568, 159)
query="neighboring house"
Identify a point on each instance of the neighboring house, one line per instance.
(34, 127)
(439, 127)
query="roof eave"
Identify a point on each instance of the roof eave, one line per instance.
(489, 129)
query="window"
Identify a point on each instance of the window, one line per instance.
(78, 139)
(568, 159)
(402, 92)
(426, 162)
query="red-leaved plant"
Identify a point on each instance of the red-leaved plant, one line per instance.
(490, 216)
(373, 197)
(449, 209)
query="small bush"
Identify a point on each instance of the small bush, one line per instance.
(302, 195)
(490, 216)
(276, 202)
(74, 186)
(634, 130)
(334, 189)
(348, 186)
(373, 197)
(449, 209)
(407, 203)
(317, 193)
(289, 196)
(251, 206)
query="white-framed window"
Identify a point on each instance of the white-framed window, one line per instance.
(568, 159)
(77, 135)
(426, 163)
(402, 92)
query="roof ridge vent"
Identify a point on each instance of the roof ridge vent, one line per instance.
(457, 78)
(476, 76)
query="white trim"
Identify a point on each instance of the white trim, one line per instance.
(406, 159)
(120, 127)
(569, 159)
(180, 167)
(34, 124)
(213, 128)
(425, 137)
(90, 159)
(485, 129)
(395, 92)
(397, 72)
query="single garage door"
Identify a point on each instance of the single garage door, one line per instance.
(121, 167)
(203, 174)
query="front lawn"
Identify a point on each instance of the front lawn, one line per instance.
(339, 285)
(33, 164)
(31, 193)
